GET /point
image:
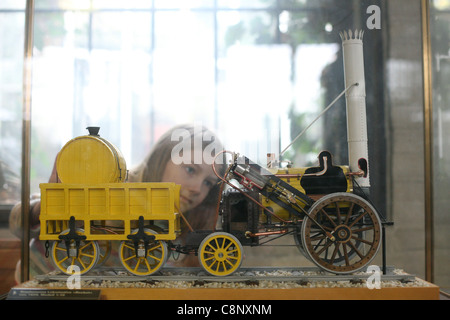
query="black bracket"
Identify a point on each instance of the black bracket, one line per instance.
(141, 236)
(72, 236)
(383, 243)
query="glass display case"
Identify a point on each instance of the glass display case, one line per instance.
(256, 72)
(439, 59)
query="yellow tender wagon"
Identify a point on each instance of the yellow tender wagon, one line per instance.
(110, 212)
(93, 206)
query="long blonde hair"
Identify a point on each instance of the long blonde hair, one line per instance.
(152, 169)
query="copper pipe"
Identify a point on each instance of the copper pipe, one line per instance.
(222, 185)
(267, 233)
(184, 219)
(359, 173)
(298, 175)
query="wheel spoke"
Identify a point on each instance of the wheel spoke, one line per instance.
(349, 213)
(326, 246)
(318, 237)
(128, 246)
(336, 249)
(83, 254)
(357, 219)
(229, 245)
(363, 229)
(318, 244)
(347, 261)
(148, 265)
(81, 263)
(328, 217)
(137, 265)
(154, 257)
(63, 259)
(350, 244)
(363, 240)
(129, 258)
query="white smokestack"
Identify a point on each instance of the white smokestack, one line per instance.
(352, 47)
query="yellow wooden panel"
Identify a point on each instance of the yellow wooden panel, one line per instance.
(56, 201)
(117, 203)
(97, 201)
(138, 201)
(77, 203)
(160, 198)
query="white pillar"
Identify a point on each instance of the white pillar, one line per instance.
(352, 47)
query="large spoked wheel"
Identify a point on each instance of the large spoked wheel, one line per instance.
(355, 225)
(70, 260)
(143, 262)
(220, 254)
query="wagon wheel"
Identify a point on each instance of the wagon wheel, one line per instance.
(355, 225)
(220, 254)
(85, 258)
(143, 263)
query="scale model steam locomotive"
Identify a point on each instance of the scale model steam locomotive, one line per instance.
(324, 208)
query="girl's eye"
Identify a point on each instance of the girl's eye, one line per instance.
(190, 170)
(209, 184)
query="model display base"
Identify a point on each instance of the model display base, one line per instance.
(248, 284)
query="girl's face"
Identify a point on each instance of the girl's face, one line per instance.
(196, 181)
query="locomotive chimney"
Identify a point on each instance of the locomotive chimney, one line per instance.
(93, 131)
(352, 47)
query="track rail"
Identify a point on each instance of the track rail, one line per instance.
(250, 276)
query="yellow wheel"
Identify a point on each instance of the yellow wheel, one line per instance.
(81, 260)
(143, 263)
(220, 254)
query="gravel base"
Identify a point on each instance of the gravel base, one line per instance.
(249, 284)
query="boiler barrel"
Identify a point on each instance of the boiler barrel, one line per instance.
(90, 159)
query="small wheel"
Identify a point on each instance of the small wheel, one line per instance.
(220, 254)
(143, 263)
(85, 258)
(356, 229)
